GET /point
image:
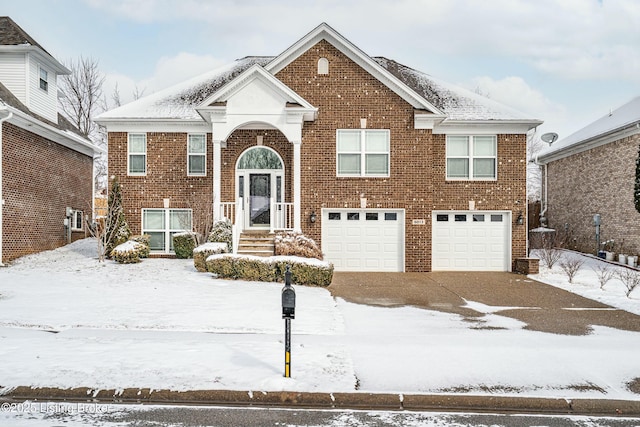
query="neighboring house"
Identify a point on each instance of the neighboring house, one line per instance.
(46, 168)
(593, 171)
(386, 167)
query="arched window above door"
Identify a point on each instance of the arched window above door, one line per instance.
(260, 158)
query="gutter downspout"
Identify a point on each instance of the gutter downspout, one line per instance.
(2, 119)
(545, 205)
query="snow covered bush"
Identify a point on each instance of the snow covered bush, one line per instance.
(204, 251)
(296, 244)
(128, 252)
(222, 232)
(604, 274)
(271, 269)
(183, 244)
(144, 240)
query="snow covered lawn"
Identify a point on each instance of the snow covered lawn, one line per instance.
(68, 321)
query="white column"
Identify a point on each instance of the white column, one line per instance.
(3, 119)
(297, 213)
(217, 163)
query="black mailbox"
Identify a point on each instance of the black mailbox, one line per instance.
(288, 297)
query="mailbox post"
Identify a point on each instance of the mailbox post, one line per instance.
(288, 313)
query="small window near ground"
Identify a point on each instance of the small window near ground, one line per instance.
(371, 216)
(76, 221)
(353, 216)
(390, 216)
(496, 218)
(334, 216)
(461, 218)
(478, 218)
(442, 217)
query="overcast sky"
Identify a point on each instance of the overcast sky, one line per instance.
(567, 62)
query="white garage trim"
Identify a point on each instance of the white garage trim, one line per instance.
(471, 241)
(364, 239)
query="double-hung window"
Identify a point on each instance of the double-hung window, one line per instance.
(162, 224)
(76, 220)
(363, 152)
(197, 155)
(471, 157)
(137, 153)
(44, 79)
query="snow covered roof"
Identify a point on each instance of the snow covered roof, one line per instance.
(443, 101)
(618, 123)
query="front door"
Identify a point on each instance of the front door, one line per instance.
(259, 199)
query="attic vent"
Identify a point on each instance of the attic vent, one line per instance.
(323, 66)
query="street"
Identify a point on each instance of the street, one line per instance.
(55, 414)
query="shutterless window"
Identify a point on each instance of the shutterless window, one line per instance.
(334, 216)
(390, 216)
(162, 224)
(197, 155)
(442, 217)
(371, 216)
(363, 152)
(137, 148)
(44, 80)
(471, 157)
(76, 220)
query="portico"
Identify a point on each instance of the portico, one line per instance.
(256, 100)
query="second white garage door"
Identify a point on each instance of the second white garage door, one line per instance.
(363, 239)
(471, 241)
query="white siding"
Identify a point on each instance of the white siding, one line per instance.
(44, 103)
(13, 72)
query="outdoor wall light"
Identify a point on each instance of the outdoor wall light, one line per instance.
(312, 217)
(520, 219)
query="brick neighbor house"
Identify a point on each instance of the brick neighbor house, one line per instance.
(593, 171)
(387, 168)
(46, 167)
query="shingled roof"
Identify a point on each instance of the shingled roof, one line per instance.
(11, 34)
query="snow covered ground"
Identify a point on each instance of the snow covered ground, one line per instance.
(67, 320)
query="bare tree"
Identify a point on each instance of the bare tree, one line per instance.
(630, 279)
(571, 266)
(81, 101)
(549, 246)
(604, 274)
(138, 93)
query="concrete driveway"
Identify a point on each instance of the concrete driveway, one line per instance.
(542, 307)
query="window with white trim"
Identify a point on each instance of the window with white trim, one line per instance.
(44, 79)
(197, 155)
(76, 220)
(137, 154)
(472, 157)
(363, 152)
(162, 224)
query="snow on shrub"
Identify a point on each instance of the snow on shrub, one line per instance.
(304, 271)
(202, 252)
(184, 243)
(128, 252)
(145, 240)
(296, 244)
(222, 232)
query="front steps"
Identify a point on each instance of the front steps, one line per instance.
(257, 243)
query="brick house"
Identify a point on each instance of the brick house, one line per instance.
(593, 171)
(46, 166)
(386, 167)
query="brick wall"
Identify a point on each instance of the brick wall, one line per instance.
(601, 181)
(40, 179)
(344, 96)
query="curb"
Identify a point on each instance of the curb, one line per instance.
(311, 400)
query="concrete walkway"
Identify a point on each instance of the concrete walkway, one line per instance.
(542, 307)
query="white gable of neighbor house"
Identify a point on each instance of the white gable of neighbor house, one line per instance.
(253, 99)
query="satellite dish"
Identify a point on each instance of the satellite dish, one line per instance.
(549, 138)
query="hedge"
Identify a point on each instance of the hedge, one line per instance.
(184, 244)
(144, 239)
(270, 269)
(129, 252)
(202, 252)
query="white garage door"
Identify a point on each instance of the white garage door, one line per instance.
(363, 239)
(471, 241)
